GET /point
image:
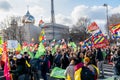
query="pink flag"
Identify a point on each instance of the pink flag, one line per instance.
(6, 66)
(6, 70)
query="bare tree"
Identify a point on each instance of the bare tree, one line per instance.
(78, 31)
(12, 29)
(65, 34)
(114, 19)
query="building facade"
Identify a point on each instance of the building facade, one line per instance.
(32, 32)
(55, 31)
(29, 32)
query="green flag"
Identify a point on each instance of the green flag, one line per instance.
(25, 49)
(31, 54)
(1, 41)
(56, 46)
(73, 44)
(57, 73)
(53, 50)
(41, 50)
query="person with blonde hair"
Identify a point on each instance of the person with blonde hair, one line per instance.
(92, 67)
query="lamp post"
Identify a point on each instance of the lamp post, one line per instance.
(106, 6)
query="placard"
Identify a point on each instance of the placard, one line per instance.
(12, 44)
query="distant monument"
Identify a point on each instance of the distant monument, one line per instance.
(31, 31)
(52, 12)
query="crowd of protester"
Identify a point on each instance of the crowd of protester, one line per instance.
(79, 65)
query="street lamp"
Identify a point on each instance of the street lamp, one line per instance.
(106, 6)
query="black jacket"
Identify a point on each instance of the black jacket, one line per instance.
(99, 55)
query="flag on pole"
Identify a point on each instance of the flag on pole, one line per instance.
(6, 70)
(87, 43)
(1, 41)
(114, 28)
(41, 50)
(92, 27)
(3, 58)
(57, 73)
(42, 36)
(7, 65)
(116, 34)
(24, 49)
(53, 50)
(1, 51)
(99, 41)
(98, 33)
(72, 44)
(18, 47)
(41, 23)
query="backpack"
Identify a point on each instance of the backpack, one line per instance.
(34, 65)
(87, 74)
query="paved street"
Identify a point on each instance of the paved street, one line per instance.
(108, 71)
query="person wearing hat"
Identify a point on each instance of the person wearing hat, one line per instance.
(92, 67)
(86, 61)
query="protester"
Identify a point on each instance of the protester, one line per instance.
(69, 73)
(64, 60)
(92, 68)
(92, 57)
(35, 68)
(78, 67)
(57, 58)
(89, 70)
(99, 59)
(117, 64)
(50, 58)
(20, 68)
(44, 67)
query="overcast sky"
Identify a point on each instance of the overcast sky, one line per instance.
(66, 11)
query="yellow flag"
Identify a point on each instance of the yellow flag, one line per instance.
(68, 77)
(1, 51)
(42, 33)
(18, 47)
(40, 38)
(77, 74)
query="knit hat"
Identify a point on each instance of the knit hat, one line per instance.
(87, 59)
